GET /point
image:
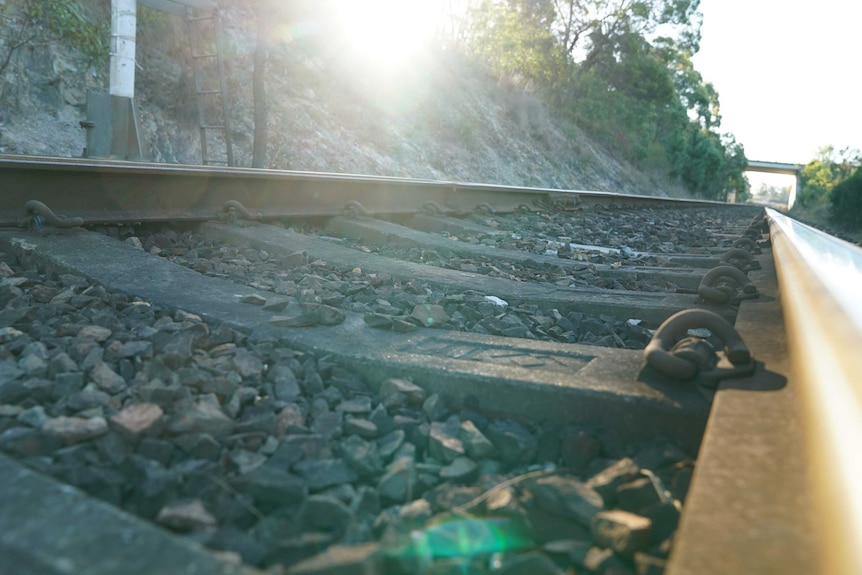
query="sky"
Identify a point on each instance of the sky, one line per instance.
(786, 74)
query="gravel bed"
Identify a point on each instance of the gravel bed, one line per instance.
(387, 302)
(552, 233)
(588, 277)
(656, 231)
(292, 463)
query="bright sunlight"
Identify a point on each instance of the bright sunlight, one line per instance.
(387, 33)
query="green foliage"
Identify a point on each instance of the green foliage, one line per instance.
(594, 27)
(732, 177)
(696, 95)
(605, 66)
(150, 19)
(822, 174)
(700, 162)
(846, 202)
(68, 20)
(612, 117)
(638, 71)
(514, 40)
(817, 182)
(651, 106)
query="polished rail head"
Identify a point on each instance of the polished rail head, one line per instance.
(820, 277)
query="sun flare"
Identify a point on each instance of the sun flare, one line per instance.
(387, 33)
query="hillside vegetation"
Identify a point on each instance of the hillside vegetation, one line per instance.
(574, 94)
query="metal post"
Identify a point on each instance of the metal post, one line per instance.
(123, 24)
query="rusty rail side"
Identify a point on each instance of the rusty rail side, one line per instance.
(112, 191)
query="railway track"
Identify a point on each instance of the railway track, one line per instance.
(308, 373)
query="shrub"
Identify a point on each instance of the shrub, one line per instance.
(846, 200)
(69, 20)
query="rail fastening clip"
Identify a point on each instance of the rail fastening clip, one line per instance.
(721, 284)
(676, 354)
(38, 214)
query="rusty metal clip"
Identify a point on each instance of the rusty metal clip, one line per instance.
(753, 232)
(431, 208)
(676, 354)
(39, 214)
(232, 210)
(748, 245)
(721, 285)
(354, 209)
(484, 208)
(741, 259)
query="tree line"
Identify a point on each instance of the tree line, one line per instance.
(834, 179)
(620, 69)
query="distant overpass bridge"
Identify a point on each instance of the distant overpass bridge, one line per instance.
(780, 168)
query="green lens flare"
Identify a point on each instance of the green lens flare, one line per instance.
(466, 538)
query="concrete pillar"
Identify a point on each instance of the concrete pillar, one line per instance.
(123, 24)
(794, 192)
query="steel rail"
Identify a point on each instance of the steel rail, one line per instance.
(776, 488)
(106, 191)
(820, 278)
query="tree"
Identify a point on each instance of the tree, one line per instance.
(622, 70)
(696, 95)
(735, 164)
(639, 71)
(514, 39)
(823, 173)
(655, 107)
(846, 201)
(589, 29)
